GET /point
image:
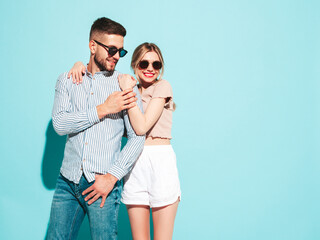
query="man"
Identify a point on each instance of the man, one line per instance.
(94, 116)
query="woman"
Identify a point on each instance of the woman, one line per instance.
(153, 182)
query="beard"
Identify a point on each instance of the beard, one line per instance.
(102, 64)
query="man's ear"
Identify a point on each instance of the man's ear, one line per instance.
(92, 46)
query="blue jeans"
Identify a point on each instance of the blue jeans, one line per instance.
(69, 208)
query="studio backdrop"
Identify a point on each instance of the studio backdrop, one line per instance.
(245, 78)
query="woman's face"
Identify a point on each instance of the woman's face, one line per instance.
(149, 74)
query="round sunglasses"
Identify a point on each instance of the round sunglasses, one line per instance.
(144, 64)
(113, 50)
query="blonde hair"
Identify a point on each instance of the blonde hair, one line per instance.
(138, 54)
(141, 50)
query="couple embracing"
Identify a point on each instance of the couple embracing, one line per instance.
(95, 109)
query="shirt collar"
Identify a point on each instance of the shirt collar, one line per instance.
(105, 73)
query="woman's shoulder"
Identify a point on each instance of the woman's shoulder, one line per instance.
(162, 84)
(162, 89)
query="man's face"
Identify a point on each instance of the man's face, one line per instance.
(102, 58)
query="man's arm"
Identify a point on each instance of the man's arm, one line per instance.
(65, 121)
(132, 149)
(127, 157)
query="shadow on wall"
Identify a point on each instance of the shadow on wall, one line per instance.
(51, 163)
(52, 157)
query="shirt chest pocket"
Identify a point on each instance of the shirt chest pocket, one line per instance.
(80, 98)
(85, 96)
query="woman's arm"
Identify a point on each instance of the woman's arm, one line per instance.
(77, 71)
(140, 122)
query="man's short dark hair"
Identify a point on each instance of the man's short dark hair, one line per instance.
(107, 26)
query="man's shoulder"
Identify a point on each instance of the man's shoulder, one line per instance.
(115, 74)
(63, 77)
(113, 80)
(63, 81)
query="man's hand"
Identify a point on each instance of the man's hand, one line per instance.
(117, 102)
(102, 186)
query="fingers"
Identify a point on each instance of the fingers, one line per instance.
(118, 101)
(79, 80)
(130, 100)
(103, 201)
(89, 189)
(95, 198)
(131, 105)
(77, 75)
(129, 95)
(117, 94)
(76, 78)
(72, 74)
(125, 92)
(93, 193)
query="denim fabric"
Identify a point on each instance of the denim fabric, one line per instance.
(69, 208)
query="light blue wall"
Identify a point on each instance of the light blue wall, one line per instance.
(246, 130)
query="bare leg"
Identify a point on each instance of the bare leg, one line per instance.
(163, 221)
(139, 216)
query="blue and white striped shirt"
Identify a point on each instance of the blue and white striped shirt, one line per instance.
(93, 145)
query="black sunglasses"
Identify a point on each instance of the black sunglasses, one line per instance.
(113, 50)
(145, 64)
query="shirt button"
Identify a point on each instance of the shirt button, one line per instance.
(93, 78)
(84, 159)
(92, 93)
(86, 143)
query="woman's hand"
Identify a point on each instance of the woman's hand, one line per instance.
(126, 81)
(77, 71)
